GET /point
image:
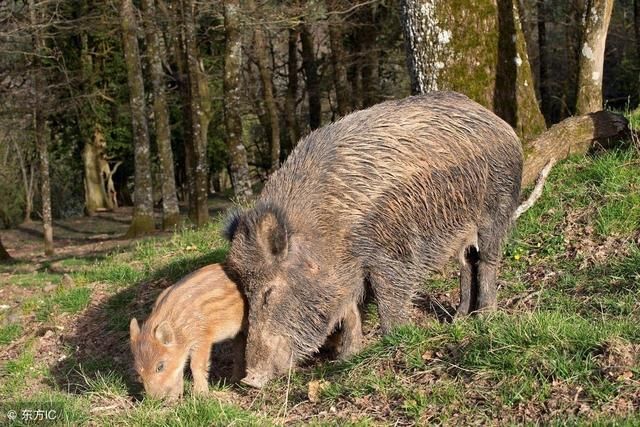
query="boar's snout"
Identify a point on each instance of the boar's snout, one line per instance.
(268, 355)
(254, 380)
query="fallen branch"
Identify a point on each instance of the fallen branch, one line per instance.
(575, 135)
(537, 190)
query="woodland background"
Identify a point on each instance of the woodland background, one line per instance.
(166, 102)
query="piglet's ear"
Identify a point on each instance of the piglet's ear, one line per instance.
(134, 329)
(272, 236)
(164, 333)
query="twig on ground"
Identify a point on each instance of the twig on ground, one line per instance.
(537, 190)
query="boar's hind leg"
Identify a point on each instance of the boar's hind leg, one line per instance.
(200, 368)
(489, 242)
(468, 281)
(394, 302)
(351, 333)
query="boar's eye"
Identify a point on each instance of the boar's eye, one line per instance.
(265, 296)
(160, 367)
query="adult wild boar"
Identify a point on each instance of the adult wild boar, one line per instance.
(382, 196)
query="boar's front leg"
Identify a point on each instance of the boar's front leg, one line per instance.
(394, 301)
(200, 368)
(239, 344)
(351, 333)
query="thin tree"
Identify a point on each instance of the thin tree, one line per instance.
(197, 117)
(543, 61)
(40, 129)
(262, 60)
(338, 58)
(591, 65)
(28, 175)
(142, 221)
(170, 209)
(293, 130)
(310, 65)
(238, 167)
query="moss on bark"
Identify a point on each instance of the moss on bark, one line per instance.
(141, 225)
(476, 48)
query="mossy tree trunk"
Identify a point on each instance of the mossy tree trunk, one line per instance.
(41, 130)
(142, 221)
(261, 51)
(293, 129)
(170, 209)
(596, 24)
(238, 166)
(476, 48)
(310, 65)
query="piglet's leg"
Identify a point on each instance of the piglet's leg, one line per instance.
(200, 368)
(351, 335)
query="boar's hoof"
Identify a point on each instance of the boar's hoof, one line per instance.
(255, 381)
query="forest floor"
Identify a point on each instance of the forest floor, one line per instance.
(564, 347)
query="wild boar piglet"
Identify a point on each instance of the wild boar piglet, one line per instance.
(200, 310)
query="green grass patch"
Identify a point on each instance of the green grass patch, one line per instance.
(9, 333)
(71, 300)
(37, 279)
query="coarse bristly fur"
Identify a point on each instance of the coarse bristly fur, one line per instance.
(382, 196)
(204, 308)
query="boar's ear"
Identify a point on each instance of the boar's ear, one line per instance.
(230, 223)
(272, 236)
(134, 329)
(164, 333)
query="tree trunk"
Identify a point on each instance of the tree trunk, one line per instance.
(142, 221)
(573, 136)
(478, 50)
(199, 116)
(238, 167)
(311, 74)
(636, 27)
(370, 59)
(42, 139)
(42, 143)
(170, 209)
(596, 24)
(27, 181)
(4, 255)
(293, 129)
(338, 62)
(261, 52)
(543, 63)
(95, 166)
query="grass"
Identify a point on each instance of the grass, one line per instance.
(562, 350)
